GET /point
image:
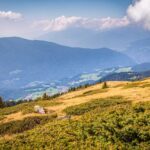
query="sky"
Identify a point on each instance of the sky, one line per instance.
(34, 18)
(54, 8)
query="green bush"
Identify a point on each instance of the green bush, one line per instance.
(79, 87)
(27, 107)
(91, 92)
(2, 117)
(117, 127)
(20, 126)
(86, 107)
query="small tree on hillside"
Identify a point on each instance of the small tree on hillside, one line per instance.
(45, 96)
(104, 86)
(1, 102)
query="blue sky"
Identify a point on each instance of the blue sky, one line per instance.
(54, 8)
(39, 18)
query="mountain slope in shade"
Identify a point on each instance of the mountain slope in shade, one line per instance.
(118, 38)
(141, 67)
(37, 89)
(24, 61)
(139, 50)
(126, 76)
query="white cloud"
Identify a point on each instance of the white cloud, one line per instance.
(10, 15)
(59, 23)
(15, 72)
(63, 22)
(108, 23)
(139, 12)
(10, 82)
(33, 84)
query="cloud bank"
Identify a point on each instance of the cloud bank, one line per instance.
(15, 72)
(139, 12)
(63, 22)
(10, 15)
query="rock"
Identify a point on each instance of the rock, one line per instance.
(39, 109)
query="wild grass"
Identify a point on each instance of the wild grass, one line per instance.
(91, 92)
(28, 107)
(28, 123)
(145, 85)
(132, 85)
(94, 92)
(105, 123)
(88, 106)
(123, 127)
(2, 117)
(136, 84)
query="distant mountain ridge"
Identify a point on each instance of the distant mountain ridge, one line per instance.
(36, 89)
(141, 67)
(117, 38)
(24, 61)
(139, 50)
(126, 76)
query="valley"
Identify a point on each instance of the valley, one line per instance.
(27, 78)
(33, 62)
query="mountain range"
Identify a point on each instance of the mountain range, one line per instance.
(30, 67)
(24, 62)
(117, 38)
(139, 50)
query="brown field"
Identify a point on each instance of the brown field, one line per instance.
(134, 91)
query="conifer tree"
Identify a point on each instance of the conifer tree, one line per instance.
(1, 102)
(104, 86)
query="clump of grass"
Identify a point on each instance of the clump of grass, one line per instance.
(27, 107)
(132, 85)
(79, 87)
(86, 107)
(2, 117)
(24, 125)
(145, 85)
(136, 84)
(91, 92)
(117, 127)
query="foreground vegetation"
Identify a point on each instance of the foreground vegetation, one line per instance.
(28, 123)
(26, 108)
(112, 123)
(107, 116)
(98, 103)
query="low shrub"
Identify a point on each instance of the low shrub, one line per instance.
(27, 107)
(2, 117)
(118, 127)
(28, 123)
(86, 107)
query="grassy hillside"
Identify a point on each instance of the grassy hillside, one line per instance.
(116, 117)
